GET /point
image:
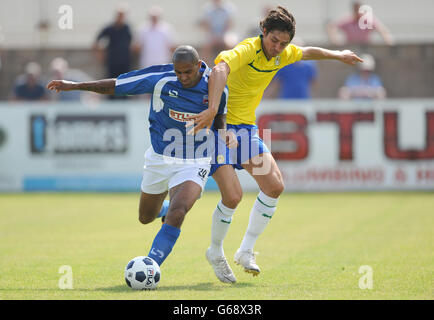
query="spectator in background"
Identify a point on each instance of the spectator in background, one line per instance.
(354, 33)
(155, 40)
(363, 84)
(117, 56)
(294, 81)
(217, 20)
(59, 68)
(28, 86)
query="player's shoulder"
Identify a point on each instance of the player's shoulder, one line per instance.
(291, 54)
(150, 74)
(254, 42)
(248, 48)
(152, 71)
(161, 68)
(291, 49)
(206, 71)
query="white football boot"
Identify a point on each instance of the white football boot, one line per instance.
(221, 268)
(247, 260)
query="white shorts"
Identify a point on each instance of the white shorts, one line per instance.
(162, 173)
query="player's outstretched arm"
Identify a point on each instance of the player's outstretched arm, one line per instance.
(345, 56)
(104, 86)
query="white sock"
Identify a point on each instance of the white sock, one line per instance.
(221, 220)
(262, 211)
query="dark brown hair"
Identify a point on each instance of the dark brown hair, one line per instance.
(279, 19)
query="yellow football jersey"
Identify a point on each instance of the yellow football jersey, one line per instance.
(250, 74)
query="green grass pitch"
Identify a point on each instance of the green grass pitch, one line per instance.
(312, 248)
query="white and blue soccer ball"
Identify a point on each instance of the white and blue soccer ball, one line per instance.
(142, 273)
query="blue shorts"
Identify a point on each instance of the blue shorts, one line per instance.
(249, 146)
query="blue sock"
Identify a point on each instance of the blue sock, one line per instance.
(163, 243)
(164, 209)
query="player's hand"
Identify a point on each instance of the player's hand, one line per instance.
(200, 121)
(231, 139)
(61, 85)
(349, 57)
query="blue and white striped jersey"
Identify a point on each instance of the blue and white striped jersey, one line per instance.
(170, 104)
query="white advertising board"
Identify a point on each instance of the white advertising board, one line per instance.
(326, 145)
(319, 145)
(71, 147)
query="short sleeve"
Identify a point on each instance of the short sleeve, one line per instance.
(135, 82)
(239, 56)
(104, 33)
(292, 54)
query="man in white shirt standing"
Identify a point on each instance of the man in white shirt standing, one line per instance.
(154, 41)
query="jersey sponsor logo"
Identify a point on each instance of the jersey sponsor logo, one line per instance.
(173, 93)
(277, 61)
(220, 159)
(179, 116)
(205, 99)
(202, 173)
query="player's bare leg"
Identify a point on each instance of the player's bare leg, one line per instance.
(231, 192)
(150, 206)
(182, 198)
(265, 171)
(263, 168)
(229, 186)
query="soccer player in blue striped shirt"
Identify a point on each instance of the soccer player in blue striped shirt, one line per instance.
(175, 163)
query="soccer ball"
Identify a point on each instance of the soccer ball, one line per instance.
(142, 273)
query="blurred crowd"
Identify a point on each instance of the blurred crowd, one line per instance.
(117, 45)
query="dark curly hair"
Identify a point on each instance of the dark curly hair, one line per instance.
(279, 19)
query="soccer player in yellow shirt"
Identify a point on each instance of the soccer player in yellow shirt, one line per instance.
(247, 69)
